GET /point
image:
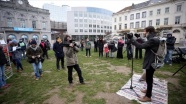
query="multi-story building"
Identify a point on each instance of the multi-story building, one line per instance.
(19, 19)
(88, 22)
(165, 15)
(57, 13)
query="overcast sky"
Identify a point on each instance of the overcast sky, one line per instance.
(112, 5)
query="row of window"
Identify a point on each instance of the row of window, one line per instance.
(91, 21)
(94, 26)
(91, 30)
(143, 23)
(23, 24)
(91, 15)
(144, 14)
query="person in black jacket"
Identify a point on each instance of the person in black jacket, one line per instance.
(138, 50)
(170, 48)
(58, 49)
(3, 61)
(95, 45)
(151, 45)
(129, 49)
(100, 45)
(120, 48)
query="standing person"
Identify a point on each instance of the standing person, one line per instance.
(34, 54)
(106, 50)
(95, 45)
(112, 48)
(44, 49)
(48, 45)
(17, 55)
(170, 48)
(138, 50)
(58, 49)
(23, 47)
(88, 47)
(120, 48)
(129, 49)
(100, 45)
(3, 61)
(82, 44)
(150, 45)
(72, 60)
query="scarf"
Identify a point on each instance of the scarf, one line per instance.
(43, 44)
(34, 48)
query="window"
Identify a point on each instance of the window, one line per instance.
(25, 37)
(36, 37)
(98, 16)
(178, 8)
(85, 20)
(90, 21)
(167, 10)
(80, 14)
(85, 15)
(125, 17)
(98, 31)
(166, 21)
(143, 24)
(9, 22)
(131, 25)
(143, 14)
(12, 37)
(137, 15)
(98, 26)
(94, 21)
(80, 20)
(22, 23)
(150, 22)
(81, 30)
(105, 27)
(151, 13)
(75, 14)
(137, 24)
(159, 11)
(45, 37)
(115, 27)
(157, 22)
(120, 19)
(44, 25)
(115, 20)
(85, 30)
(94, 30)
(85, 25)
(177, 20)
(101, 31)
(76, 30)
(76, 25)
(120, 26)
(90, 25)
(33, 24)
(75, 20)
(125, 26)
(94, 26)
(80, 25)
(94, 16)
(132, 17)
(90, 15)
(90, 30)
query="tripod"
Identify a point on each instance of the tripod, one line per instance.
(131, 87)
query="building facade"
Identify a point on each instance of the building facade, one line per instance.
(19, 19)
(57, 13)
(89, 22)
(167, 16)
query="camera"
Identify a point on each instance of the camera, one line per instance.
(67, 44)
(130, 35)
(137, 35)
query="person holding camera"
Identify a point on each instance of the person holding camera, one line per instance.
(58, 49)
(34, 54)
(70, 51)
(151, 45)
(170, 48)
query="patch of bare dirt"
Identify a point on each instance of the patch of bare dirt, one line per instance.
(174, 81)
(79, 97)
(112, 98)
(166, 73)
(55, 90)
(24, 74)
(120, 69)
(47, 71)
(55, 99)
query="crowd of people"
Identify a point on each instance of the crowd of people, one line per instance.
(36, 53)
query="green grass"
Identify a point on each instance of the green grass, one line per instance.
(96, 74)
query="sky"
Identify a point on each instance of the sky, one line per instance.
(112, 5)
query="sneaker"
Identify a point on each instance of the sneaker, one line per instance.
(37, 79)
(170, 64)
(145, 99)
(70, 84)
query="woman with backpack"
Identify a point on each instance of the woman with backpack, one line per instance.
(88, 47)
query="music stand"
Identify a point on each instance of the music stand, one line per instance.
(183, 51)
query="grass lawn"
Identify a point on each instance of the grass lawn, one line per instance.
(103, 77)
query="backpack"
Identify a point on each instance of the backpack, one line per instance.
(160, 54)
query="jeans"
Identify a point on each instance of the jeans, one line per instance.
(18, 64)
(57, 62)
(168, 56)
(149, 81)
(2, 75)
(88, 52)
(37, 69)
(78, 70)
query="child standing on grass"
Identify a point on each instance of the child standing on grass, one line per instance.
(106, 50)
